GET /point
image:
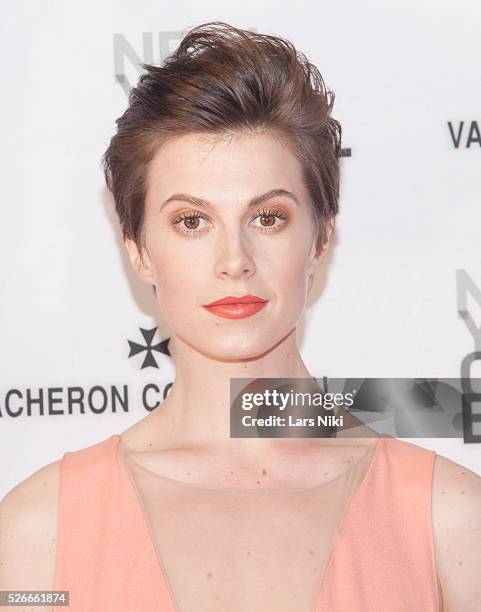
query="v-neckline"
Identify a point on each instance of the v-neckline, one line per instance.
(159, 566)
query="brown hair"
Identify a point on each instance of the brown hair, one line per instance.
(224, 80)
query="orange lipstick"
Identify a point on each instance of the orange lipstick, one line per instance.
(231, 307)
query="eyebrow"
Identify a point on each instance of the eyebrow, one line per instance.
(255, 201)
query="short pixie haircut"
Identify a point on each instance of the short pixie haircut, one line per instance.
(224, 80)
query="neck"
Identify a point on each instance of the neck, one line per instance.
(197, 410)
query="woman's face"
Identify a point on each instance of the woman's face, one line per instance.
(232, 245)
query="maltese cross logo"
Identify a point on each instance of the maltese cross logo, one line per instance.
(149, 359)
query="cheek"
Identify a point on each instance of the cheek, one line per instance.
(178, 283)
(288, 280)
(291, 272)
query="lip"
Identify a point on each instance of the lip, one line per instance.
(236, 307)
(243, 299)
(236, 311)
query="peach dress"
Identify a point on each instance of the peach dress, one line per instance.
(132, 540)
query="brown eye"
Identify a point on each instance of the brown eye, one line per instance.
(269, 220)
(191, 222)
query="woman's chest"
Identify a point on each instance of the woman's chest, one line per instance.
(241, 551)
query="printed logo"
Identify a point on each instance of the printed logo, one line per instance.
(149, 359)
(464, 136)
(472, 396)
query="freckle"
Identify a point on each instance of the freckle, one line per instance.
(150, 444)
(462, 492)
(217, 597)
(53, 539)
(311, 552)
(231, 472)
(463, 473)
(258, 481)
(448, 530)
(249, 553)
(314, 569)
(264, 472)
(326, 473)
(45, 483)
(442, 492)
(271, 588)
(49, 552)
(188, 473)
(460, 562)
(208, 575)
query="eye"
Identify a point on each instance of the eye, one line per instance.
(189, 223)
(268, 219)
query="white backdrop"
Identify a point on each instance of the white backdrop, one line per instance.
(407, 84)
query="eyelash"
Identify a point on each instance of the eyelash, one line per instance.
(264, 212)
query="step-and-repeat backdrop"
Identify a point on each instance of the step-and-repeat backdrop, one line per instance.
(84, 352)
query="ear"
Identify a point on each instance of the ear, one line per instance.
(140, 262)
(315, 256)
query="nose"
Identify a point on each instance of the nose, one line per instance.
(234, 257)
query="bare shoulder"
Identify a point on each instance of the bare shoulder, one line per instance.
(28, 532)
(457, 534)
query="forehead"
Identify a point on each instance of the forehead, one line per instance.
(205, 165)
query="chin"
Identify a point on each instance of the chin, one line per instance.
(236, 347)
(235, 351)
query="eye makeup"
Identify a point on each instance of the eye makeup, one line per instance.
(193, 218)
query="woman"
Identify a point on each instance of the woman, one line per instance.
(225, 175)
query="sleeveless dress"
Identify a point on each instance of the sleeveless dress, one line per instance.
(130, 540)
